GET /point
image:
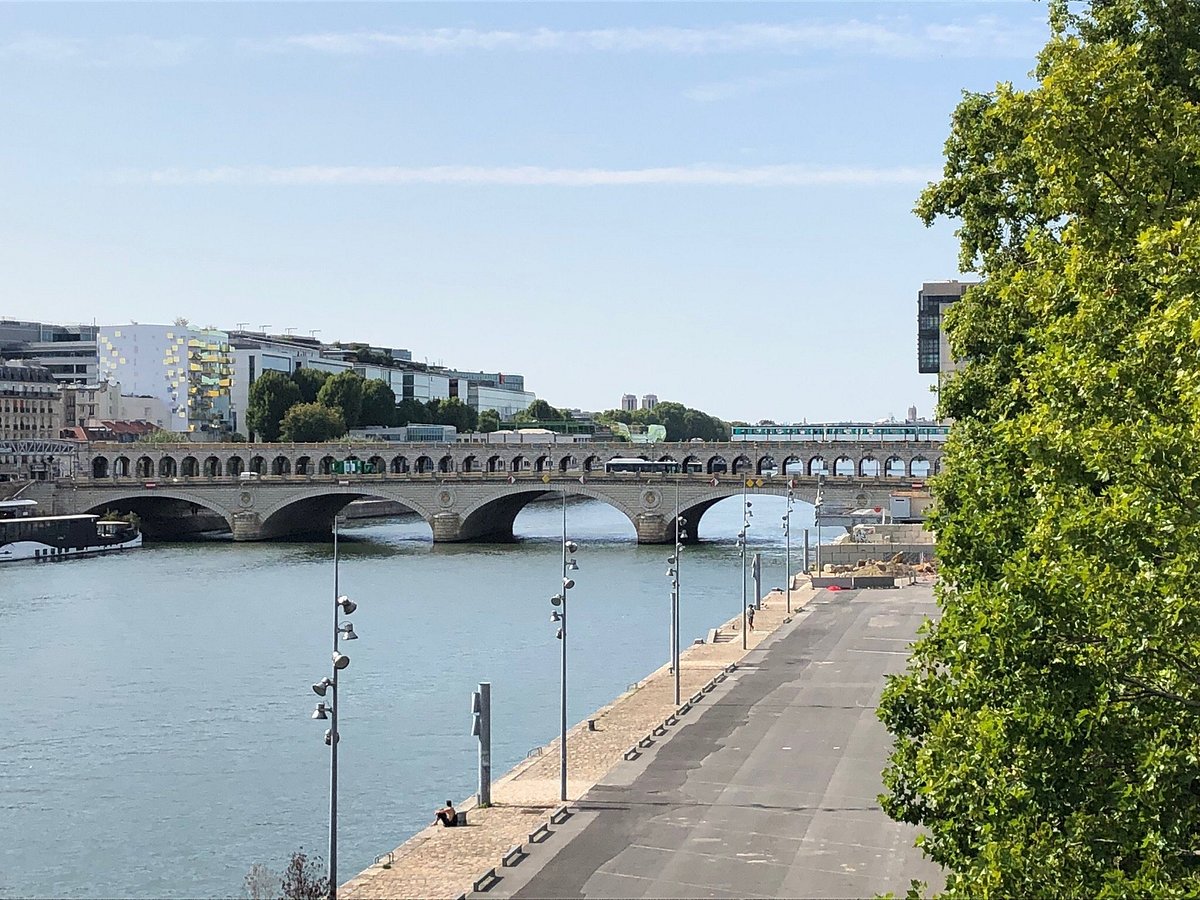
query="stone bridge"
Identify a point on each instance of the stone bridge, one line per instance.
(463, 491)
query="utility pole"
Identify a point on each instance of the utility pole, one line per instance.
(481, 727)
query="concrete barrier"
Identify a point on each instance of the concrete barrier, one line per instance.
(513, 856)
(539, 834)
(560, 815)
(486, 881)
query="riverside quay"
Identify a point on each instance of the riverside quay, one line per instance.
(463, 491)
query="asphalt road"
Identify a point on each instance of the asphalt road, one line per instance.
(767, 789)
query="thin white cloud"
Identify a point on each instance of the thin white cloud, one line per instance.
(121, 50)
(980, 36)
(536, 176)
(714, 91)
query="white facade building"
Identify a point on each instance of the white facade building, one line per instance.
(506, 403)
(190, 370)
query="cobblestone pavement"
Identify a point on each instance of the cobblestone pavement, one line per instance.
(444, 862)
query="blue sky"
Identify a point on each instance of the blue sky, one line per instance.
(710, 202)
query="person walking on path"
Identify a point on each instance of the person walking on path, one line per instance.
(750, 617)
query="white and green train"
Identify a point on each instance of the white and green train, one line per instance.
(829, 434)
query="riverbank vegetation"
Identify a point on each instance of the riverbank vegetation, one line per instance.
(1047, 730)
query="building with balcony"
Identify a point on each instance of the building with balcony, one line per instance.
(189, 369)
(30, 410)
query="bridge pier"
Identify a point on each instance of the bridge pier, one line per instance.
(246, 526)
(654, 528)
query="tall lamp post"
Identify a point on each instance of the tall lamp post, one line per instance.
(559, 615)
(787, 533)
(817, 514)
(743, 536)
(329, 710)
(673, 565)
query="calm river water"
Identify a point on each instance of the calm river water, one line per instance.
(157, 738)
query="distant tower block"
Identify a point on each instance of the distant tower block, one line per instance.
(912, 414)
(649, 401)
(628, 402)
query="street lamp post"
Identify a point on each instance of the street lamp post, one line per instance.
(743, 536)
(673, 566)
(817, 514)
(560, 616)
(344, 631)
(787, 533)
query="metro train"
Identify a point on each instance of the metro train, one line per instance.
(825, 434)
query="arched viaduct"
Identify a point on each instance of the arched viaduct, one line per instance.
(463, 491)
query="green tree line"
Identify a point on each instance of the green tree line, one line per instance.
(311, 405)
(682, 423)
(1047, 728)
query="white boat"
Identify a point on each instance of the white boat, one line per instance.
(26, 535)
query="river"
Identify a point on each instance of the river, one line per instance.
(158, 739)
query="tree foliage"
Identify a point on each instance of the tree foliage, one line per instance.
(343, 392)
(309, 381)
(307, 422)
(1047, 729)
(682, 423)
(489, 421)
(304, 878)
(271, 396)
(453, 412)
(378, 403)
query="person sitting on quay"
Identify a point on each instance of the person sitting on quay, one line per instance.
(446, 815)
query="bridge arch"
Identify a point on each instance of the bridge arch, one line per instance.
(212, 467)
(424, 465)
(281, 465)
(470, 463)
(542, 463)
(593, 463)
(495, 463)
(165, 512)
(398, 465)
(494, 517)
(189, 467)
(919, 467)
(792, 465)
(742, 465)
(167, 467)
(843, 465)
(568, 464)
(258, 465)
(893, 467)
(235, 466)
(100, 467)
(717, 465)
(868, 467)
(144, 467)
(519, 463)
(312, 512)
(765, 465)
(120, 468)
(446, 464)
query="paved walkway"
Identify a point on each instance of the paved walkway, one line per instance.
(770, 791)
(444, 862)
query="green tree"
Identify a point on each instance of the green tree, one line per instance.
(378, 403)
(309, 381)
(271, 396)
(1047, 729)
(343, 392)
(412, 411)
(309, 422)
(454, 412)
(541, 411)
(489, 421)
